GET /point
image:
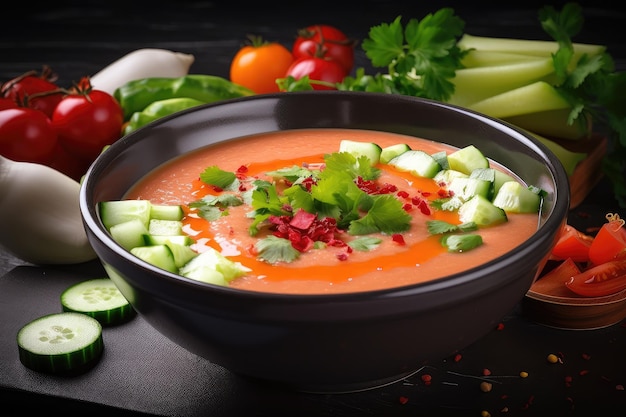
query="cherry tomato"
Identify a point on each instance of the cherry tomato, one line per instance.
(604, 279)
(36, 91)
(259, 65)
(324, 41)
(7, 103)
(67, 164)
(87, 120)
(318, 69)
(572, 243)
(26, 135)
(609, 242)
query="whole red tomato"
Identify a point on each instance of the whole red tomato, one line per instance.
(37, 91)
(26, 135)
(324, 41)
(317, 69)
(87, 120)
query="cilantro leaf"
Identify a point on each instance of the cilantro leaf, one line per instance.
(213, 175)
(274, 249)
(386, 215)
(365, 244)
(421, 58)
(461, 243)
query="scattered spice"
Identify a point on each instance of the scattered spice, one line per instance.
(458, 357)
(523, 374)
(500, 326)
(403, 400)
(552, 358)
(619, 387)
(427, 379)
(485, 413)
(586, 356)
(486, 372)
(568, 381)
(485, 386)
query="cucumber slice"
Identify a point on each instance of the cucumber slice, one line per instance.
(417, 162)
(165, 227)
(166, 212)
(514, 197)
(482, 212)
(467, 159)
(445, 176)
(98, 298)
(358, 149)
(442, 159)
(390, 152)
(61, 343)
(466, 188)
(160, 256)
(129, 234)
(151, 240)
(120, 211)
(213, 267)
(182, 253)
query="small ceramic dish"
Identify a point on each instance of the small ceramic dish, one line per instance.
(552, 304)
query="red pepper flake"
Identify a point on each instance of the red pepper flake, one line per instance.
(586, 356)
(407, 207)
(583, 372)
(500, 326)
(217, 189)
(619, 387)
(528, 403)
(458, 357)
(568, 381)
(403, 194)
(486, 372)
(403, 400)
(342, 256)
(427, 379)
(398, 238)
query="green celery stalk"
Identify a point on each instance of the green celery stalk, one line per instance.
(533, 98)
(472, 85)
(552, 123)
(525, 46)
(478, 58)
(568, 159)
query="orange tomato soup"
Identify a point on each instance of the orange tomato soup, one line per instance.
(419, 258)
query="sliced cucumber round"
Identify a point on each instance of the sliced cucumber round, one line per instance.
(98, 298)
(61, 343)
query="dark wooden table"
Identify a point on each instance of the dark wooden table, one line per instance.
(144, 373)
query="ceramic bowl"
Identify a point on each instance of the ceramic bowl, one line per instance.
(325, 343)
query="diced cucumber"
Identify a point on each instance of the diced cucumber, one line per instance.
(390, 152)
(358, 149)
(445, 176)
(213, 267)
(166, 212)
(120, 211)
(165, 227)
(481, 211)
(61, 343)
(514, 197)
(442, 159)
(500, 179)
(467, 159)
(182, 253)
(129, 234)
(150, 240)
(417, 162)
(466, 188)
(160, 256)
(98, 298)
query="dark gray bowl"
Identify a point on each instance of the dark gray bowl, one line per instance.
(324, 343)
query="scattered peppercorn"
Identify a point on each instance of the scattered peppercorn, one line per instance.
(523, 374)
(485, 386)
(552, 358)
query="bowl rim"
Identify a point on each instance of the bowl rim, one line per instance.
(558, 175)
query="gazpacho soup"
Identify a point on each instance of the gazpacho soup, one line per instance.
(320, 211)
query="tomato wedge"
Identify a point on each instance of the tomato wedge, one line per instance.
(604, 279)
(610, 241)
(572, 243)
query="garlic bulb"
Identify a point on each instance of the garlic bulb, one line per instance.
(40, 220)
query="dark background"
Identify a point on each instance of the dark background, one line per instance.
(144, 373)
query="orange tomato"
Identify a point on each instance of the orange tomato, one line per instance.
(258, 65)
